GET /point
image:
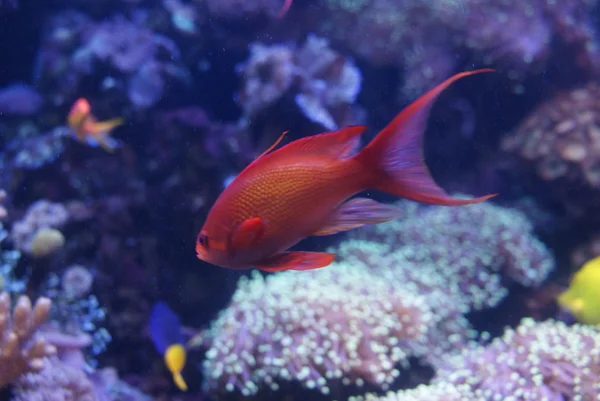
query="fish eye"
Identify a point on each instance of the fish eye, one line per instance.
(202, 239)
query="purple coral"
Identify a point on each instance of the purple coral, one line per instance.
(425, 36)
(469, 256)
(57, 381)
(434, 392)
(142, 60)
(557, 145)
(308, 329)
(40, 215)
(536, 361)
(19, 99)
(294, 327)
(324, 82)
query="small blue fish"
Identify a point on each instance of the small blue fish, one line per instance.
(165, 331)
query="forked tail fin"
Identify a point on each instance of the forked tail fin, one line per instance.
(395, 156)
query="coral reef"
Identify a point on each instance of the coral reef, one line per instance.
(57, 381)
(305, 328)
(412, 283)
(141, 60)
(419, 303)
(473, 256)
(424, 36)
(324, 82)
(534, 361)
(41, 215)
(23, 349)
(557, 145)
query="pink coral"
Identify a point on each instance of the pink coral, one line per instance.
(57, 381)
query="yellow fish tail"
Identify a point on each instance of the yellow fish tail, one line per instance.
(175, 357)
(179, 382)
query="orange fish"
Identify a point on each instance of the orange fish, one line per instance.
(303, 189)
(90, 131)
(284, 8)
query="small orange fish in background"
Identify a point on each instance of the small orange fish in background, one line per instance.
(90, 131)
(303, 189)
(284, 8)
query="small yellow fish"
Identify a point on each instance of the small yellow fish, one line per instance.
(175, 357)
(582, 298)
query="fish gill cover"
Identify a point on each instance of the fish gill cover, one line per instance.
(122, 121)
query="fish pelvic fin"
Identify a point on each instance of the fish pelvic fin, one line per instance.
(296, 260)
(394, 158)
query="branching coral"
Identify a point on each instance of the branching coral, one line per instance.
(23, 350)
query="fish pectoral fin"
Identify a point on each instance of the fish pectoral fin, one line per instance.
(295, 261)
(356, 213)
(180, 382)
(248, 233)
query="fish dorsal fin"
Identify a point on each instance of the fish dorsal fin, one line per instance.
(272, 146)
(337, 144)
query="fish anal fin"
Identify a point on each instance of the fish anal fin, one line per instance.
(296, 260)
(247, 233)
(358, 212)
(337, 144)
